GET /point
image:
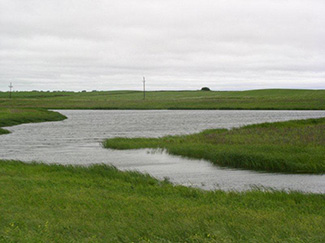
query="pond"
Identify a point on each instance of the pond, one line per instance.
(77, 140)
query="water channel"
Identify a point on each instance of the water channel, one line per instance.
(77, 140)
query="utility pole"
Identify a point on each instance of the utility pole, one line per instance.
(10, 86)
(144, 88)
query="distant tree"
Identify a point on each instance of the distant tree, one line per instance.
(205, 89)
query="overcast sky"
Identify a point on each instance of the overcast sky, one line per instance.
(175, 44)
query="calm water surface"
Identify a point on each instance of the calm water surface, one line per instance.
(77, 140)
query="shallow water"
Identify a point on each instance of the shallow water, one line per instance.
(77, 140)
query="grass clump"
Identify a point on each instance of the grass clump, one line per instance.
(53, 203)
(3, 131)
(16, 116)
(292, 146)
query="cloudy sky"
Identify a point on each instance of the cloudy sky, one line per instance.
(175, 44)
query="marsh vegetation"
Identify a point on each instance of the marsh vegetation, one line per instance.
(292, 146)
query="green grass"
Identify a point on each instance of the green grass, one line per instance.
(280, 99)
(292, 146)
(3, 131)
(16, 116)
(52, 203)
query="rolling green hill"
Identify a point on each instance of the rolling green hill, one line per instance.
(279, 99)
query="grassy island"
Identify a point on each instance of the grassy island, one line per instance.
(293, 146)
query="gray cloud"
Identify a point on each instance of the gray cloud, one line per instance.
(223, 44)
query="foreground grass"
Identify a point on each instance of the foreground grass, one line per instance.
(16, 116)
(52, 203)
(253, 99)
(292, 146)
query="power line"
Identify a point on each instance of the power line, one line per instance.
(10, 86)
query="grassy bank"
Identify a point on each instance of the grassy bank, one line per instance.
(16, 116)
(293, 146)
(42, 203)
(253, 99)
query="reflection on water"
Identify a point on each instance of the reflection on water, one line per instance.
(77, 140)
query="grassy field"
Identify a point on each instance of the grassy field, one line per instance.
(292, 146)
(16, 116)
(253, 99)
(52, 203)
